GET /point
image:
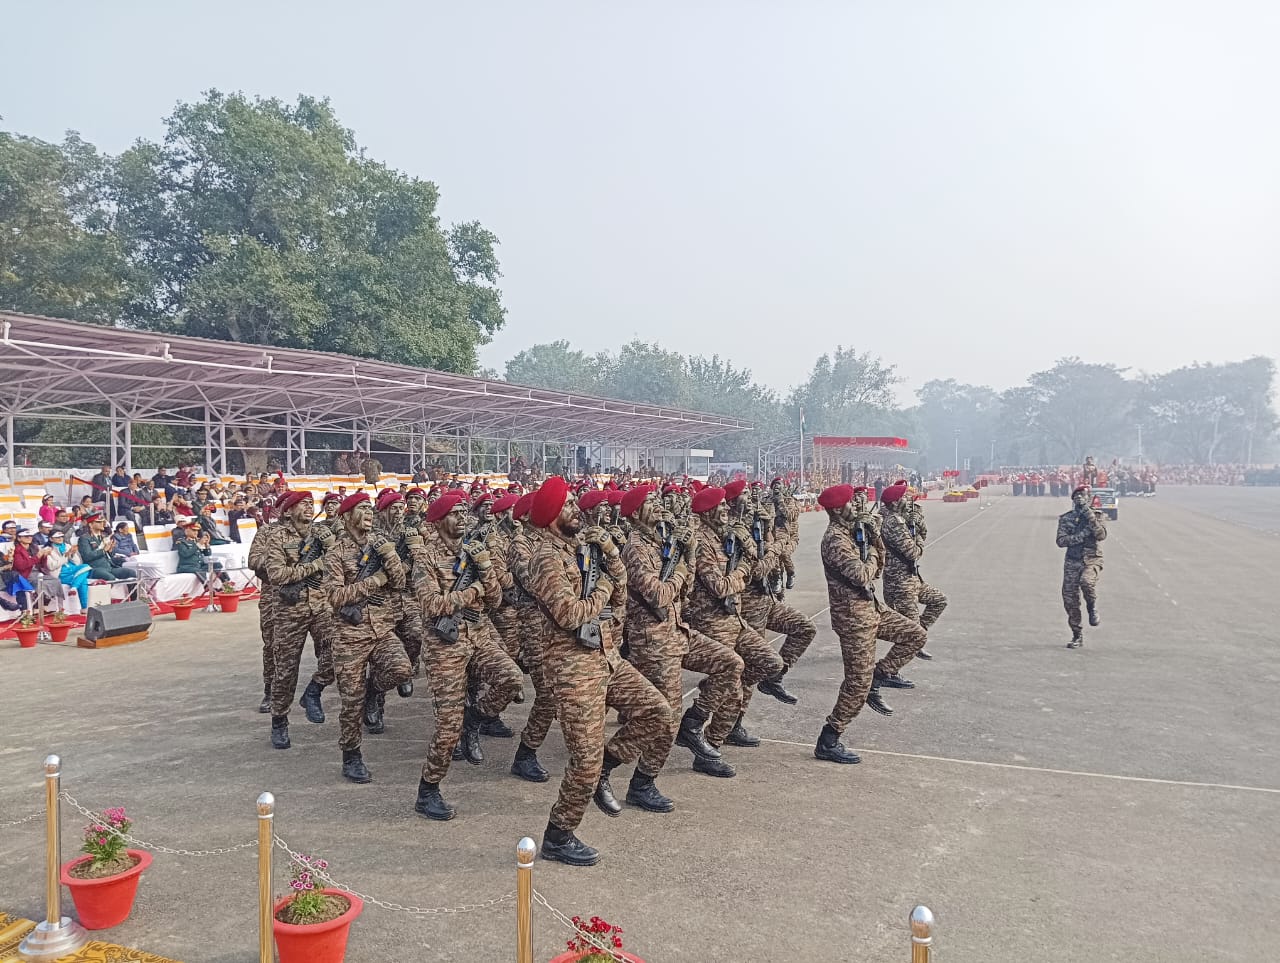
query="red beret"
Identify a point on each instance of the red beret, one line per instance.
(480, 499)
(695, 485)
(522, 505)
(777, 480)
(615, 496)
(331, 497)
(506, 501)
(633, 499)
(548, 501)
(901, 481)
(837, 496)
(865, 489)
(416, 491)
(443, 505)
(610, 485)
(591, 499)
(351, 501)
(706, 499)
(387, 498)
(515, 488)
(1082, 489)
(671, 488)
(892, 494)
(291, 499)
(734, 488)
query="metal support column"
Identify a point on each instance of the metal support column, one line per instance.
(8, 447)
(208, 441)
(468, 454)
(295, 447)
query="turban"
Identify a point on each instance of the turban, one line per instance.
(633, 499)
(548, 501)
(501, 504)
(707, 499)
(615, 496)
(893, 493)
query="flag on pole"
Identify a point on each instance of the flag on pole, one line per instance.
(802, 419)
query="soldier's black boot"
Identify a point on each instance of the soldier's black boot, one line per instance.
(431, 804)
(353, 767)
(1093, 615)
(791, 580)
(831, 749)
(922, 654)
(643, 792)
(265, 705)
(774, 688)
(1077, 640)
(873, 697)
(310, 702)
(691, 735)
(565, 847)
(405, 689)
(458, 755)
(494, 726)
(603, 796)
(896, 681)
(470, 740)
(373, 718)
(738, 736)
(713, 767)
(280, 732)
(527, 767)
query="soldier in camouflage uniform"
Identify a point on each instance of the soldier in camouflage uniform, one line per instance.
(389, 523)
(580, 651)
(787, 526)
(905, 590)
(266, 603)
(851, 566)
(457, 646)
(726, 554)
(415, 508)
(330, 505)
(659, 556)
(361, 571)
(1079, 532)
(293, 557)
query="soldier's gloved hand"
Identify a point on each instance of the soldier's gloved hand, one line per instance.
(387, 550)
(377, 580)
(482, 560)
(414, 540)
(690, 551)
(749, 551)
(316, 567)
(327, 538)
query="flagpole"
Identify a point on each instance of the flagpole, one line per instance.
(801, 448)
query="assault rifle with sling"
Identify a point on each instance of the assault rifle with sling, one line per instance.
(370, 565)
(311, 550)
(465, 573)
(733, 558)
(590, 562)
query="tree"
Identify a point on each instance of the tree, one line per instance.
(1198, 410)
(846, 393)
(1069, 411)
(555, 365)
(950, 406)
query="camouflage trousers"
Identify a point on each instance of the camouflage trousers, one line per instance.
(770, 615)
(588, 682)
(1079, 578)
(759, 661)
(365, 656)
(858, 624)
(290, 626)
(905, 596)
(450, 665)
(543, 711)
(506, 620)
(661, 656)
(410, 628)
(266, 605)
(788, 563)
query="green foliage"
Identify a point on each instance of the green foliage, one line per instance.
(1208, 413)
(846, 393)
(104, 840)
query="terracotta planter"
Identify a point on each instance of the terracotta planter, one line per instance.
(182, 612)
(228, 601)
(317, 942)
(103, 903)
(575, 956)
(27, 636)
(59, 631)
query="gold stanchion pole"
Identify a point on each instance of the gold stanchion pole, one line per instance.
(921, 934)
(266, 840)
(525, 851)
(57, 935)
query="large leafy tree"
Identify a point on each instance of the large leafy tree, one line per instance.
(1199, 412)
(1069, 411)
(947, 407)
(848, 392)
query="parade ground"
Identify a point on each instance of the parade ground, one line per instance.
(1117, 802)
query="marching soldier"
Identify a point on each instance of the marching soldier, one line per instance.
(330, 504)
(660, 559)
(858, 617)
(257, 563)
(787, 526)
(905, 590)
(389, 523)
(583, 596)
(360, 571)
(293, 557)
(453, 578)
(723, 563)
(1079, 532)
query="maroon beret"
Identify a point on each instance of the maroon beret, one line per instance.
(387, 498)
(590, 499)
(522, 505)
(548, 501)
(707, 498)
(837, 496)
(443, 505)
(892, 494)
(503, 502)
(734, 488)
(633, 499)
(291, 499)
(351, 501)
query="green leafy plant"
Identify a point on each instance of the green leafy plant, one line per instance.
(309, 901)
(104, 840)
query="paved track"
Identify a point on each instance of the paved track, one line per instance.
(1116, 802)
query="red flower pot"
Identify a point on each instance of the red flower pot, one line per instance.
(103, 903)
(182, 612)
(575, 955)
(27, 636)
(228, 601)
(316, 942)
(58, 631)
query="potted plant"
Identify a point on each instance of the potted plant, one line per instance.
(182, 608)
(28, 631)
(104, 882)
(312, 923)
(228, 597)
(592, 934)
(59, 627)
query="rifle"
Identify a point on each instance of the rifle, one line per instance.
(464, 576)
(733, 558)
(589, 563)
(291, 592)
(860, 539)
(370, 565)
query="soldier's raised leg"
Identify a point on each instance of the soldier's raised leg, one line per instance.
(645, 737)
(723, 685)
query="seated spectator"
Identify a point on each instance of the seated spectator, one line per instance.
(85, 508)
(48, 511)
(8, 577)
(184, 478)
(64, 563)
(162, 481)
(43, 531)
(181, 507)
(125, 544)
(101, 485)
(26, 559)
(119, 478)
(157, 513)
(63, 522)
(209, 525)
(131, 500)
(193, 551)
(96, 550)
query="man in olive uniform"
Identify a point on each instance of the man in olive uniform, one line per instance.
(660, 559)
(452, 579)
(293, 556)
(95, 548)
(787, 526)
(360, 572)
(1079, 532)
(858, 617)
(257, 562)
(589, 675)
(904, 588)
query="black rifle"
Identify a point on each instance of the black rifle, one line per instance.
(590, 559)
(860, 537)
(465, 574)
(370, 565)
(311, 550)
(733, 558)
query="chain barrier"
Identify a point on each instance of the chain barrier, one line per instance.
(567, 921)
(19, 822)
(396, 907)
(154, 847)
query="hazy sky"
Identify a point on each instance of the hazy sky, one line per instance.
(967, 189)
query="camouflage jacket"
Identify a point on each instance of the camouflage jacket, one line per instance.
(902, 549)
(555, 581)
(435, 572)
(519, 551)
(282, 559)
(343, 563)
(1079, 533)
(652, 603)
(713, 583)
(257, 559)
(849, 578)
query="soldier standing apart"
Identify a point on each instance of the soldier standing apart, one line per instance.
(293, 557)
(1079, 532)
(360, 571)
(905, 590)
(580, 651)
(452, 580)
(857, 617)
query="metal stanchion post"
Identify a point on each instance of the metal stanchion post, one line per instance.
(209, 583)
(44, 635)
(57, 935)
(525, 852)
(266, 840)
(921, 934)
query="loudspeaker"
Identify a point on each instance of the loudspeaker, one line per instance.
(123, 618)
